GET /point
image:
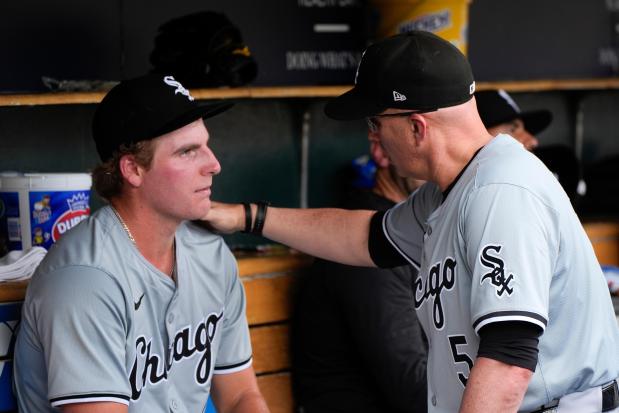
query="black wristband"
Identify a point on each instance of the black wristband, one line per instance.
(247, 209)
(261, 215)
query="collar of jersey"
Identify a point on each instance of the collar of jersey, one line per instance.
(455, 181)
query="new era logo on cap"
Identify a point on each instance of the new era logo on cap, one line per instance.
(398, 97)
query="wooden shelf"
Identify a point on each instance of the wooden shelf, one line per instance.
(543, 85)
(64, 98)
(252, 266)
(13, 291)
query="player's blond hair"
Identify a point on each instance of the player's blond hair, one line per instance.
(107, 180)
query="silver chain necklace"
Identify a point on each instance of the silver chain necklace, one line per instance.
(128, 232)
(124, 225)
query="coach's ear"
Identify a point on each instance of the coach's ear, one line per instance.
(131, 170)
(419, 127)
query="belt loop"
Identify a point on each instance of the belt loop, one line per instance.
(548, 408)
(610, 396)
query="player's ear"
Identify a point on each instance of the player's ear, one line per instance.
(130, 170)
(419, 127)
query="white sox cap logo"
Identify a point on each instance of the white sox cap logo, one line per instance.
(509, 100)
(358, 66)
(170, 81)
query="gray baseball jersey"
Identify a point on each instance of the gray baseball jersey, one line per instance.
(100, 323)
(505, 244)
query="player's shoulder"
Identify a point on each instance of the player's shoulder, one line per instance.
(74, 262)
(82, 245)
(72, 282)
(505, 166)
(208, 257)
(505, 161)
(196, 238)
(193, 233)
(77, 262)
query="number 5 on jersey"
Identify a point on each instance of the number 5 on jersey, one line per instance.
(454, 342)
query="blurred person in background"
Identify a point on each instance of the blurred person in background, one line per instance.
(501, 114)
(357, 344)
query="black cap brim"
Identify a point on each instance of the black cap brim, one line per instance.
(201, 111)
(536, 121)
(353, 105)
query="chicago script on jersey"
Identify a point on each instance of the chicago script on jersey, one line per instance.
(153, 370)
(442, 276)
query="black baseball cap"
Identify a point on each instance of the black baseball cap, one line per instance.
(415, 70)
(144, 108)
(496, 107)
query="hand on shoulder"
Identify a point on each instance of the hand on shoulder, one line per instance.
(224, 218)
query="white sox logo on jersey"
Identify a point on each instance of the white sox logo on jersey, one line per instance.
(442, 276)
(497, 273)
(154, 369)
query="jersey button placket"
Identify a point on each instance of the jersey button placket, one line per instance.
(427, 234)
(170, 318)
(174, 405)
(433, 400)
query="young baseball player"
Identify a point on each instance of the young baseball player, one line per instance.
(509, 292)
(137, 309)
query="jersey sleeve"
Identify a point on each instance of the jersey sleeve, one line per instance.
(404, 225)
(78, 314)
(235, 352)
(511, 242)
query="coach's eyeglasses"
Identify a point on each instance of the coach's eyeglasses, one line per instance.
(374, 121)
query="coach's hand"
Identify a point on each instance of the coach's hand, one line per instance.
(225, 218)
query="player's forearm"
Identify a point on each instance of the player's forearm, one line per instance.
(238, 392)
(250, 402)
(94, 407)
(333, 234)
(494, 386)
